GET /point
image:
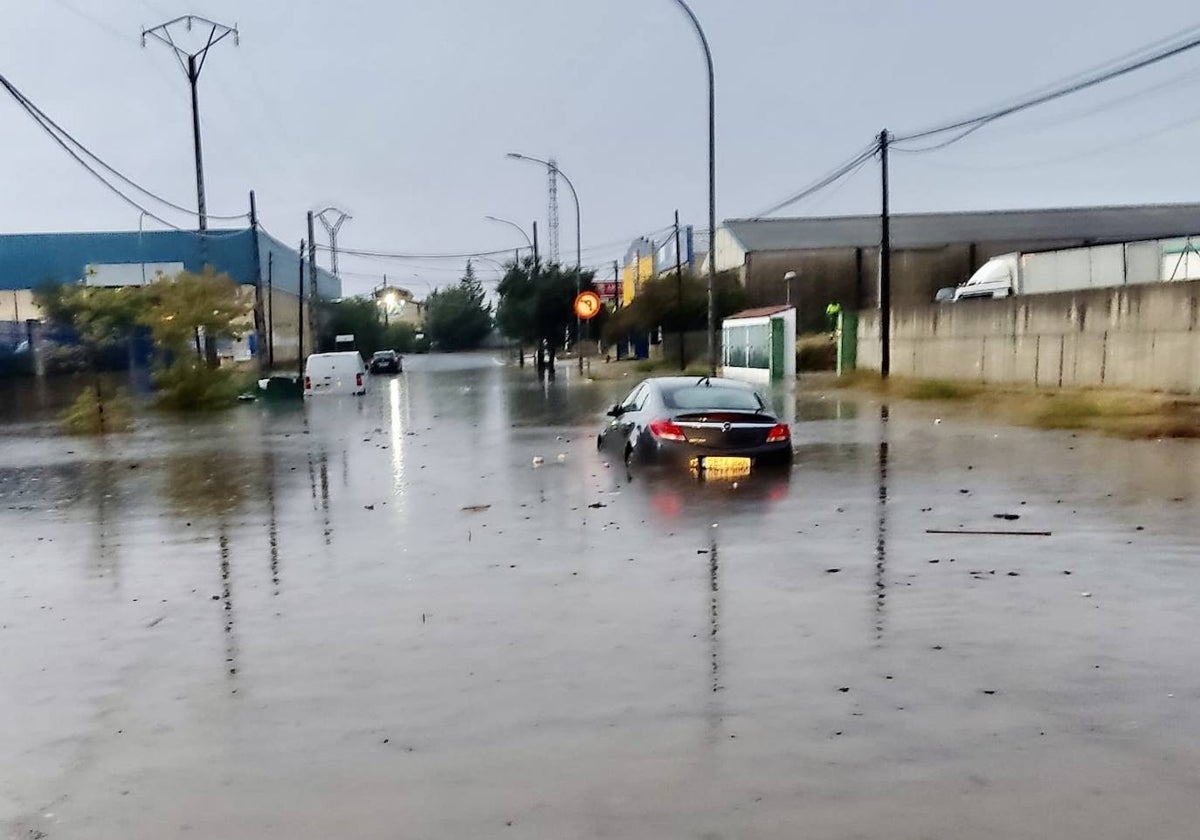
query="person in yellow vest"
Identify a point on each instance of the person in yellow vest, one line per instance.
(832, 311)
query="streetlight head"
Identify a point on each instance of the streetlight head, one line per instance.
(791, 275)
(515, 156)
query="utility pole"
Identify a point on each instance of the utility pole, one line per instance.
(679, 294)
(312, 279)
(540, 358)
(260, 327)
(192, 63)
(271, 309)
(300, 314)
(885, 265)
(332, 229)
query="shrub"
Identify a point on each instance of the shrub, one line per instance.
(94, 414)
(188, 384)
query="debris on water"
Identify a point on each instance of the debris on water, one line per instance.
(1008, 517)
(1014, 574)
(832, 571)
(844, 689)
(597, 505)
(538, 461)
(964, 491)
(989, 691)
(1067, 571)
(1085, 594)
(937, 422)
(561, 457)
(368, 507)
(475, 508)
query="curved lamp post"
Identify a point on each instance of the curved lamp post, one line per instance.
(712, 186)
(512, 224)
(574, 196)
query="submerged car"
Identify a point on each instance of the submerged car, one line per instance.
(335, 373)
(707, 424)
(386, 361)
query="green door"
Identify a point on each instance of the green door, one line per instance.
(777, 349)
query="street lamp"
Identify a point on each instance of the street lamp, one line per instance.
(511, 224)
(787, 286)
(574, 195)
(553, 167)
(712, 186)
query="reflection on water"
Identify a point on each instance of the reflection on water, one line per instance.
(881, 530)
(208, 485)
(400, 419)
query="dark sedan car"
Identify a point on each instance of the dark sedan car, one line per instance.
(386, 361)
(707, 424)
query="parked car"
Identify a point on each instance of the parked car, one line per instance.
(335, 373)
(387, 361)
(713, 426)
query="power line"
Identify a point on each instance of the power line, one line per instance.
(842, 171)
(57, 132)
(32, 112)
(965, 127)
(1146, 56)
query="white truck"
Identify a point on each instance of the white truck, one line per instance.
(1071, 269)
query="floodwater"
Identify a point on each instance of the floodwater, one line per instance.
(375, 618)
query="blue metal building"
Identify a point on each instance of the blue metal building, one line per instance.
(28, 260)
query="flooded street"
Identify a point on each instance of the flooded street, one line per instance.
(375, 618)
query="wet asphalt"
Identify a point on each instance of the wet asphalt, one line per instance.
(376, 618)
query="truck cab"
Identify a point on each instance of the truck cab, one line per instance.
(996, 278)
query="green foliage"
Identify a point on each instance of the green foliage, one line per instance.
(675, 304)
(184, 307)
(459, 318)
(189, 384)
(100, 316)
(539, 305)
(363, 319)
(93, 414)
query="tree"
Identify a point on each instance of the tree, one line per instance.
(102, 318)
(537, 305)
(459, 318)
(675, 305)
(188, 309)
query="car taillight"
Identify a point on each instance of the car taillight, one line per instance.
(358, 380)
(307, 383)
(779, 433)
(666, 430)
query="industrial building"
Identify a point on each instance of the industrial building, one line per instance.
(836, 259)
(251, 257)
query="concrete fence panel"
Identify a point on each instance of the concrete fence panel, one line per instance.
(1144, 336)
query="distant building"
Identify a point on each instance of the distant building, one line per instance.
(253, 260)
(836, 259)
(399, 306)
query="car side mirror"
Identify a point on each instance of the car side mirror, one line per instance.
(615, 411)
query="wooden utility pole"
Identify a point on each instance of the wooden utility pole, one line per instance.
(300, 314)
(679, 294)
(312, 282)
(885, 265)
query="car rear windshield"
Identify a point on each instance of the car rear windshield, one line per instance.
(682, 397)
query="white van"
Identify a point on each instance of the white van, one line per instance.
(335, 373)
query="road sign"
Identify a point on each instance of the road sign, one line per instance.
(587, 305)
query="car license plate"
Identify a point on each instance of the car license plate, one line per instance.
(721, 466)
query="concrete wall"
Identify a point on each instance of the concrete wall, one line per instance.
(1143, 336)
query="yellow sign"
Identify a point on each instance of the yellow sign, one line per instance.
(587, 305)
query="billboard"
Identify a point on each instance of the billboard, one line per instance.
(113, 275)
(664, 255)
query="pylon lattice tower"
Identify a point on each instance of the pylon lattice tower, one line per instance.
(552, 185)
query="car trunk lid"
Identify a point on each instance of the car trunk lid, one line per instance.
(725, 429)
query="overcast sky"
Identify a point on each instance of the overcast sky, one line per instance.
(401, 113)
